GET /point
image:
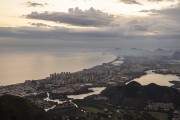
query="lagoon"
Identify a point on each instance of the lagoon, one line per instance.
(159, 79)
(96, 91)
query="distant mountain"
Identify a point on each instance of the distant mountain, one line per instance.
(136, 95)
(159, 50)
(176, 55)
(128, 52)
(140, 52)
(162, 52)
(17, 108)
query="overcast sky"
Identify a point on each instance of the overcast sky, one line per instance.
(89, 24)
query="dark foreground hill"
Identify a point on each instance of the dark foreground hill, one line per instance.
(17, 108)
(95, 107)
(136, 95)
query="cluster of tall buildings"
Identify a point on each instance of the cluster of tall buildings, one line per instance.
(106, 72)
(84, 76)
(68, 78)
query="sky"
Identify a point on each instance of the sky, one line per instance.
(50, 25)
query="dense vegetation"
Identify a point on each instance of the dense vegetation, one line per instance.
(120, 102)
(136, 95)
(17, 108)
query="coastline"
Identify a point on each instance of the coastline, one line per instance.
(108, 58)
(163, 79)
(66, 83)
(61, 85)
(16, 89)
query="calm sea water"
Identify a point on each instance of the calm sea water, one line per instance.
(18, 67)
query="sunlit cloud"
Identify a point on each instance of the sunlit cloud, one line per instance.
(76, 17)
(130, 1)
(89, 22)
(34, 4)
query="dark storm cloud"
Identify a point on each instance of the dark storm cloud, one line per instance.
(76, 17)
(130, 2)
(33, 4)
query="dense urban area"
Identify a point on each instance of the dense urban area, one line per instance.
(48, 92)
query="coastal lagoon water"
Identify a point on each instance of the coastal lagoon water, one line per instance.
(118, 63)
(18, 67)
(97, 90)
(158, 79)
(56, 100)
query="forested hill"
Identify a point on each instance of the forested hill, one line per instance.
(136, 95)
(17, 108)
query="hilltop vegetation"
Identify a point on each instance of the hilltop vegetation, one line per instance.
(17, 108)
(114, 103)
(136, 95)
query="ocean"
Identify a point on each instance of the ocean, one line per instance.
(18, 67)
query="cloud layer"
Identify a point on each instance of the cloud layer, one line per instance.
(168, 13)
(138, 2)
(76, 17)
(130, 2)
(95, 28)
(34, 4)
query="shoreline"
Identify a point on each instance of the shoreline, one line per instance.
(14, 84)
(106, 74)
(175, 83)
